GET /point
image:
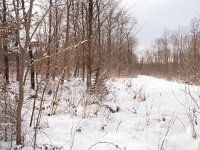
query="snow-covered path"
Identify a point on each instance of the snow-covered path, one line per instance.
(159, 120)
(151, 116)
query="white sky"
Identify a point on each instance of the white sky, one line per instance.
(154, 16)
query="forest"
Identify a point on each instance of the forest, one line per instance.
(71, 78)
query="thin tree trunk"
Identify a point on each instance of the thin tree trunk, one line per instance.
(32, 68)
(49, 42)
(17, 42)
(66, 42)
(17, 66)
(76, 10)
(99, 42)
(89, 48)
(34, 103)
(5, 48)
(83, 45)
(55, 40)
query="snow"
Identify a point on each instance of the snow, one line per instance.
(152, 111)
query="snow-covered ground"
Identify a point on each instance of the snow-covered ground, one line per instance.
(151, 115)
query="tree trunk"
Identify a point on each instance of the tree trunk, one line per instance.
(21, 98)
(99, 42)
(66, 42)
(5, 48)
(22, 60)
(32, 68)
(83, 38)
(89, 48)
(49, 42)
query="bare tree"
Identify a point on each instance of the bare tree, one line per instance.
(22, 56)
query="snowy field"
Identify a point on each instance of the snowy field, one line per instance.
(143, 113)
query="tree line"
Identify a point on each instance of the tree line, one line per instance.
(175, 54)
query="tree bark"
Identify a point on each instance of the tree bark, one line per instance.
(5, 47)
(89, 48)
(49, 41)
(22, 59)
(32, 68)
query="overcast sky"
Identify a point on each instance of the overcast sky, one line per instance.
(154, 16)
